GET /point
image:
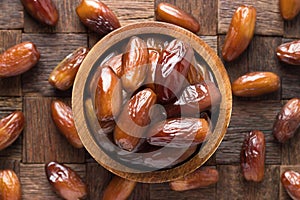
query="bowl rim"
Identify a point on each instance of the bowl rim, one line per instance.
(203, 49)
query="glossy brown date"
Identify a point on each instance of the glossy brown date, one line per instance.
(289, 52)
(240, 33)
(172, 14)
(287, 120)
(133, 120)
(253, 156)
(65, 182)
(62, 116)
(171, 71)
(115, 63)
(195, 99)
(291, 182)
(63, 75)
(179, 132)
(10, 128)
(135, 64)
(255, 84)
(202, 177)
(10, 187)
(108, 98)
(289, 8)
(118, 189)
(42, 10)
(18, 59)
(97, 16)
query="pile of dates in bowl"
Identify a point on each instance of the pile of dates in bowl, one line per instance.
(154, 101)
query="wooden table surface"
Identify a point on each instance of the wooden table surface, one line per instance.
(40, 141)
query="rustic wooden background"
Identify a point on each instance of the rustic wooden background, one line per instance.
(41, 142)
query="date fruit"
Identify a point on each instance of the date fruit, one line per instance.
(287, 120)
(194, 75)
(18, 59)
(255, 84)
(291, 182)
(134, 119)
(65, 182)
(289, 8)
(42, 10)
(202, 177)
(97, 16)
(63, 75)
(118, 189)
(115, 63)
(108, 98)
(171, 71)
(253, 156)
(240, 33)
(10, 187)
(289, 52)
(195, 99)
(172, 14)
(63, 118)
(10, 128)
(135, 64)
(150, 76)
(179, 132)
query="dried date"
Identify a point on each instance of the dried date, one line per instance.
(65, 182)
(135, 64)
(289, 52)
(18, 59)
(44, 11)
(253, 156)
(203, 177)
(10, 128)
(287, 120)
(179, 132)
(240, 33)
(97, 16)
(63, 75)
(291, 182)
(10, 187)
(134, 119)
(62, 116)
(171, 71)
(118, 188)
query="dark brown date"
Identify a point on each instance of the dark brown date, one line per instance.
(18, 59)
(253, 156)
(10, 187)
(195, 99)
(10, 128)
(171, 71)
(291, 182)
(287, 120)
(289, 52)
(97, 16)
(108, 98)
(42, 10)
(133, 120)
(118, 189)
(172, 14)
(179, 132)
(63, 75)
(62, 116)
(202, 177)
(135, 64)
(65, 182)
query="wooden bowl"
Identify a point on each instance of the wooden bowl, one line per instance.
(90, 132)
